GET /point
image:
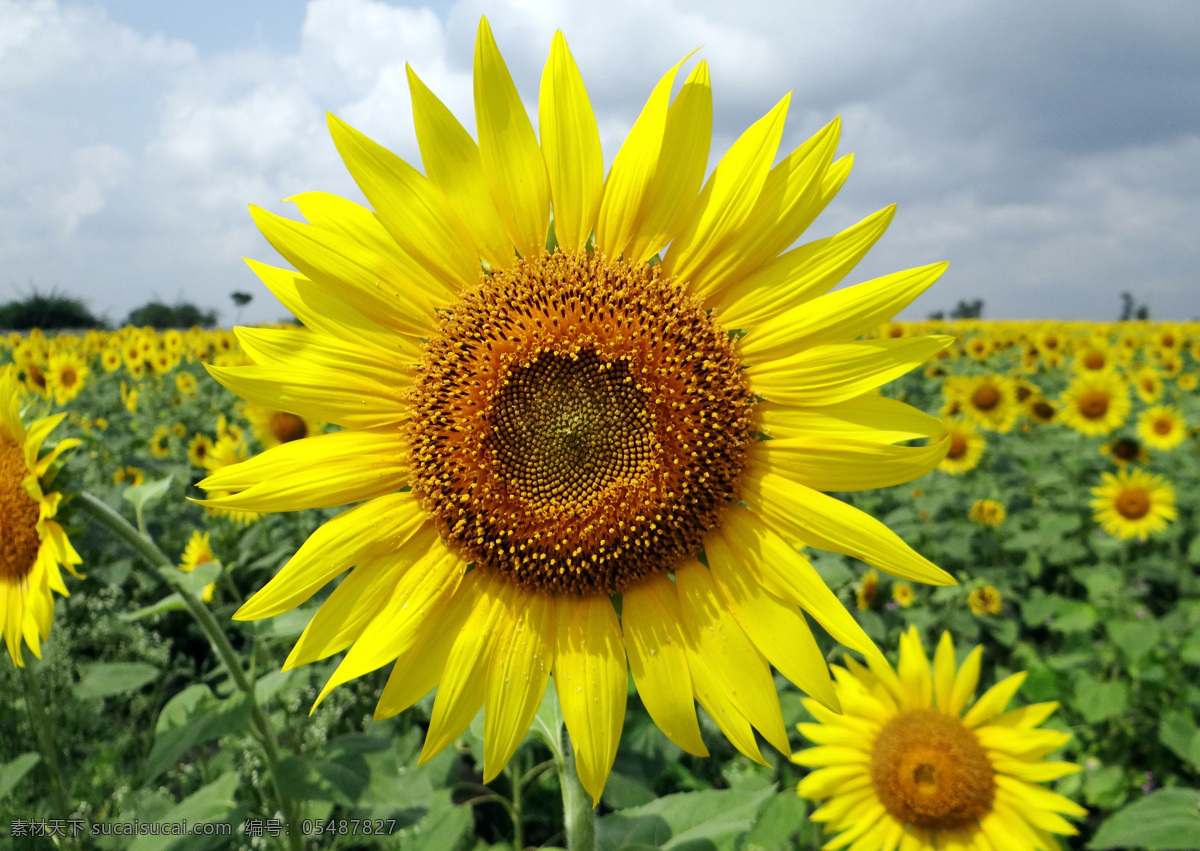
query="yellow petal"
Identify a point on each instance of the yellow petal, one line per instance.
(414, 212)
(570, 147)
(421, 592)
(657, 657)
(799, 275)
(913, 671)
(943, 673)
(362, 278)
(324, 311)
(314, 472)
(965, 681)
(334, 213)
(780, 214)
(837, 316)
(280, 346)
(461, 690)
(331, 395)
(833, 780)
(1027, 716)
(592, 683)
(835, 464)
(738, 668)
(830, 524)
(672, 190)
(632, 171)
(828, 374)
(419, 668)
(728, 198)
(365, 531)
(1037, 771)
(872, 418)
(452, 164)
(1025, 744)
(513, 168)
(776, 627)
(994, 700)
(521, 650)
(778, 567)
(711, 694)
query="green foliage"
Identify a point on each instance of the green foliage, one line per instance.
(182, 314)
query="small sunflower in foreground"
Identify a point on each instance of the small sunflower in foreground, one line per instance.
(985, 600)
(1162, 427)
(987, 512)
(1095, 403)
(905, 768)
(272, 427)
(568, 413)
(197, 552)
(66, 375)
(966, 447)
(1133, 504)
(33, 546)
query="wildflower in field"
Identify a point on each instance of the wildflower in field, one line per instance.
(66, 375)
(160, 442)
(1095, 403)
(985, 600)
(990, 401)
(197, 552)
(902, 593)
(1133, 503)
(1125, 450)
(134, 476)
(905, 767)
(966, 447)
(864, 595)
(577, 422)
(1162, 427)
(1148, 384)
(987, 512)
(185, 384)
(33, 546)
(198, 449)
(272, 427)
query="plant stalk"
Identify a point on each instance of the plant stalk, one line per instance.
(579, 816)
(45, 733)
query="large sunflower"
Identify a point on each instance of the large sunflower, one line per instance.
(32, 544)
(904, 767)
(542, 417)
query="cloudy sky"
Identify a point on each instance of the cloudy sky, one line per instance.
(1050, 152)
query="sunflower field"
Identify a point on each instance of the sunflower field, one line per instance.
(1066, 507)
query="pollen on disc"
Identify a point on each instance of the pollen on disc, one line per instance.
(578, 423)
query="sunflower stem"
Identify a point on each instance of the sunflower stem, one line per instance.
(155, 557)
(40, 718)
(579, 816)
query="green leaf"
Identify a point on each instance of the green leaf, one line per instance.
(1105, 787)
(1097, 701)
(203, 717)
(715, 818)
(1162, 821)
(441, 828)
(1177, 730)
(145, 494)
(11, 772)
(1135, 639)
(212, 803)
(1074, 616)
(170, 603)
(104, 679)
(192, 581)
(778, 823)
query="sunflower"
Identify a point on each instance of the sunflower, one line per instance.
(1161, 427)
(197, 552)
(991, 402)
(185, 384)
(110, 359)
(1148, 384)
(985, 600)
(33, 545)
(272, 427)
(904, 767)
(160, 442)
(227, 453)
(1187, 381)
(575, 422)
(1095, 403)
(902, 594)
(1125, 450)
(864, 595)
(966, 447)
(1133, 504)
(1040, 409)
(198, 449)
(987, 512)
(66, 374)
(133, 475)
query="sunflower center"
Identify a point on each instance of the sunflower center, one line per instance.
(287, 427)
(578, 423)
(1133, 503)
(1093, 404)
(931, 772)
(1162, 426)
(67, 377)
(1094, 360)
(1043, 410)
(958, 446)
(19, 513)
(985, 398)
(1126, 449)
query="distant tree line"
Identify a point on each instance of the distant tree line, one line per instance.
(972, 309)
(54, 311)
